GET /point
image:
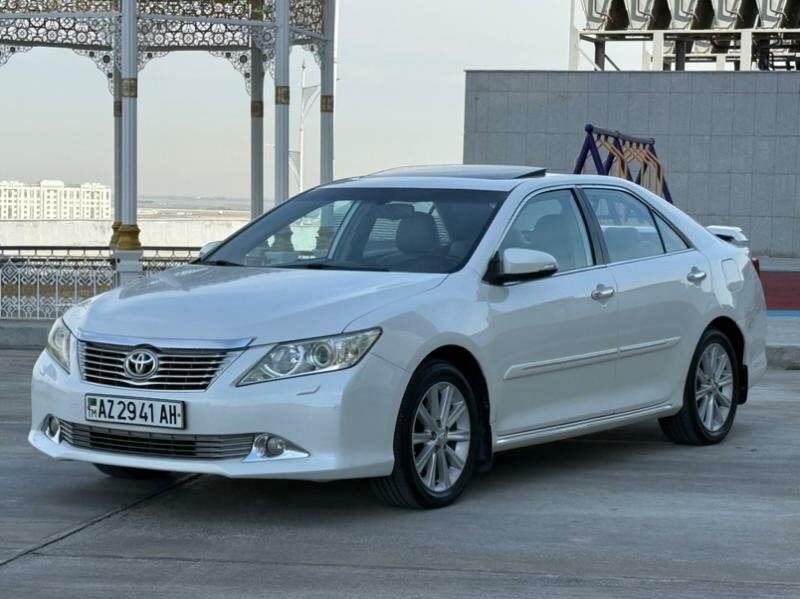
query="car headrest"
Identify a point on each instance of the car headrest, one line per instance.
(417, 234)
(624, 243)
(553, 224)
(459, 248)
(552, 235)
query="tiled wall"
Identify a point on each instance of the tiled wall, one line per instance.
(729, 141)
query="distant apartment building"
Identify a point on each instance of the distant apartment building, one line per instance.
(54, 200)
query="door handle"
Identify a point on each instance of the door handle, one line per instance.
(601, 292)
(696, 275)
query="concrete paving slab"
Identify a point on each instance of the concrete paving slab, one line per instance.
(101, 578)
(619, 514)
(24, 334)
(628, 503)
(41, 498)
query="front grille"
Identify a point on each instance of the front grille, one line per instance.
(201, 447)
(178, 369)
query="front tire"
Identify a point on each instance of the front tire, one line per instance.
(435, 442)
(711, 394)
(130, 473)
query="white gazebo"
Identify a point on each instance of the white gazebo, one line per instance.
(121, 36)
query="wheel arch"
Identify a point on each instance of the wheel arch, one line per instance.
(468, 364)
(734, 334)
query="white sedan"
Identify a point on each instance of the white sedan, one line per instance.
(404, 327)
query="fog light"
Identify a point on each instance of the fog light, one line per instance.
(272, 447)
(275, 446)
(53, 428)
(260, 445)
(269, 446)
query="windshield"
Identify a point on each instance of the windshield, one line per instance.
(380, 229)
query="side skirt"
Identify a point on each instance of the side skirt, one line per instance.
(580, 427)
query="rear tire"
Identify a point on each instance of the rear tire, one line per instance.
(130, 473)
(710, 396)
(435, 441)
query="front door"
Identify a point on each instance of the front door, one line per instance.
(555, 338)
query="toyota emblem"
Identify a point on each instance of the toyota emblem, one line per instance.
(141, 364)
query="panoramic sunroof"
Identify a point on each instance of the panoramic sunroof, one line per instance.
(466, 171)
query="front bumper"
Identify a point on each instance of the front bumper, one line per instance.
(344, 421)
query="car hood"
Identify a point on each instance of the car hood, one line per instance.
(224, 303)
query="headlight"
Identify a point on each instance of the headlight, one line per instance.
(59, 343)
(311, 356)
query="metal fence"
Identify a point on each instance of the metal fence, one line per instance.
(38, 282)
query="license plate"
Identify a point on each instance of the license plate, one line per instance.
(142, 412)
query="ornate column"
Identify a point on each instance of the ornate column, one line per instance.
(282, 98)
(256, 118)
(328, 89)
(128, 247)
(117, 85)
(328, 81)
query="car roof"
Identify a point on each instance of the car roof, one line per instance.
(473, 176)
(495, 172)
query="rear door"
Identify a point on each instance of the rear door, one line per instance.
(555, 339)
(663, 292)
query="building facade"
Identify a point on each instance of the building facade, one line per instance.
(54, 200)
(729, 142)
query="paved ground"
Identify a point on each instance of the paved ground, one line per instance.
(783, 331)
(783, 341)
(621, 514)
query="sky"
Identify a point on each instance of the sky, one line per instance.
(400, 99)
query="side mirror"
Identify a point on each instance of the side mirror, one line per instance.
(517, 264)
(208, 248)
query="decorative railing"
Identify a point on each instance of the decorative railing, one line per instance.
(38, 282)
(156, 259)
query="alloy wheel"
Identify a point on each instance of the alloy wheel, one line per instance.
(441, 436)
(713, 386)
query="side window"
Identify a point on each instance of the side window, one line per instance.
(672, 241)
(551, 222)
(627, 224)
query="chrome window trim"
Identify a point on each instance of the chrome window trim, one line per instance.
(578, 188)
(656, 257)
(653, 209)
(163, 343)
